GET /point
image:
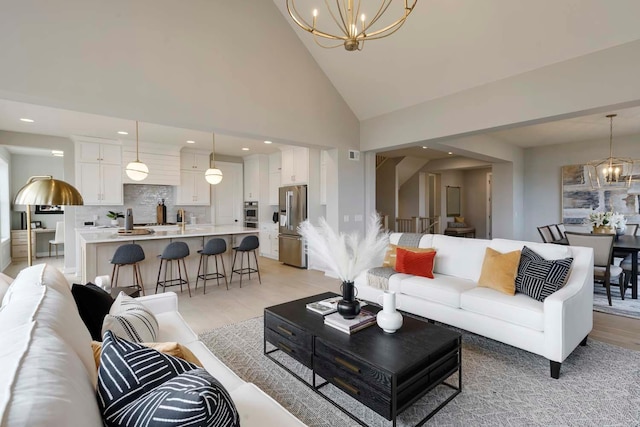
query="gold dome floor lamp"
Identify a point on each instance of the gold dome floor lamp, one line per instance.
(44, 190)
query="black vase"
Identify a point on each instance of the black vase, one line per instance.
(348, 306)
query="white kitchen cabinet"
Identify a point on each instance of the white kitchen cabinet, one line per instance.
(99, 171)
(227, 196)
(274, 178)
(251, 178)
(193, 190)
(194, 160)
(268, 236)
(295, 165)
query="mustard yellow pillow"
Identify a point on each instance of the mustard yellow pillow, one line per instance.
(499, 271)
(458, 219)
(391, 255)
(170, 348)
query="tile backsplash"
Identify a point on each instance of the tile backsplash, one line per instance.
(143, 199)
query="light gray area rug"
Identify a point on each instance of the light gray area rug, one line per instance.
(627, 308)
(502, 386)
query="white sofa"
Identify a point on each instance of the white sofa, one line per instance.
(552, 328)
(48, 374)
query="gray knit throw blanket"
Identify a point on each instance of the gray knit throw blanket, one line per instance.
(378, 277)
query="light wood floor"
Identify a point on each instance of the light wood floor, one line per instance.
(282, 283)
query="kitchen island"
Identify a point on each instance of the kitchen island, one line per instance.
(97, 247)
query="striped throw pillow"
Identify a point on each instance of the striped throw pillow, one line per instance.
(539, 277)
(139, 386)
(131, 320)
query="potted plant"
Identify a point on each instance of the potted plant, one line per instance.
(114, 217)
(606, 222)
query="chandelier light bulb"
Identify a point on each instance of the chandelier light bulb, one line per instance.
(315, 13)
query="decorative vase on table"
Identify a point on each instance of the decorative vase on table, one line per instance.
(389, 319)
(348, 306)
(603, 229)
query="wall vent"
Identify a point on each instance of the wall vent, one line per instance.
(354, 155)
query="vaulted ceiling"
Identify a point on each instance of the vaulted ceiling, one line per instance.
(447, 46)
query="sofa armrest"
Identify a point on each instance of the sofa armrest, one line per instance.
(568, 313)
(160, 303)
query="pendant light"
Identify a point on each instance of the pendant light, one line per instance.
(213, 175)
(137, 170)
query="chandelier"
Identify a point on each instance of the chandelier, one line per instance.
(611, 171)
(353, 26)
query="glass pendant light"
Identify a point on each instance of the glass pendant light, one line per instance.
(137, 170)
(213, 175)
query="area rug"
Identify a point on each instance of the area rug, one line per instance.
(502, 386)
(627, 308)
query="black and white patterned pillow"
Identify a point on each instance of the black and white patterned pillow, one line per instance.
(139, 386)
(539, 277)
(131, 320)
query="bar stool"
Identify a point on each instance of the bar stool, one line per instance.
(175, 251)
(129, 254)
(248, 244)
(215, 248)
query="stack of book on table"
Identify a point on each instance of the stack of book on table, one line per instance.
(325, 306)
(349, 326)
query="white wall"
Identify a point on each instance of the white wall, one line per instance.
(475, 200)
(409, 197)
(5, 208)
(543, 176)
(386, 194)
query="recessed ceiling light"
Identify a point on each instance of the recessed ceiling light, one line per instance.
(58, 155)
(245, 149)
(27, 120)
(54, 152)
(424, 147)
(191, 142)
(268, 142)
(121, 132)
(450, 153)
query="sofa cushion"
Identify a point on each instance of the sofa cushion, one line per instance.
(42, 294)
(391, 256)
(173, 327)
(546, 250)
(441, 289)
(131, 320)
(416, 263)
(44, 382)
(538, 277)
(499, 271)
(214, 366)
(93, 305)
(518, 309)
(140, 386)
(171, 348)
(459, 257)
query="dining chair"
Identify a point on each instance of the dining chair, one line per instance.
(602, 245)
(545, 233)
(562, 230)
(555, 232)
(626, 264)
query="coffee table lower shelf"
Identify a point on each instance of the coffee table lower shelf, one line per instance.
(395, 410)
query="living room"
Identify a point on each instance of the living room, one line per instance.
(189, 66)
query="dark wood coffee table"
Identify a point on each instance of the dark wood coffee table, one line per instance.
(385, 372)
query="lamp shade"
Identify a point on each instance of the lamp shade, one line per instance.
(137, 171)
(44, 190)
(213, 176)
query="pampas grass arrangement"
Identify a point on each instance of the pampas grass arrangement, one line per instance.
(345, 255)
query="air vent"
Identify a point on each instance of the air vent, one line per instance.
(354, 155)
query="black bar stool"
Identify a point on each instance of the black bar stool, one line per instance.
(175, 251)
(129, 254)
(214, 247)
(248, 244)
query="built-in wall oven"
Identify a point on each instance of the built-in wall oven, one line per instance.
(251, 214)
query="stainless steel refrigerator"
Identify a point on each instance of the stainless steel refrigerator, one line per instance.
(293, 210)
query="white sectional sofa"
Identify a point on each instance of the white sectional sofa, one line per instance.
(48, 374)
(552, 328)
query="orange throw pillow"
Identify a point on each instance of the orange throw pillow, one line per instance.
(416, 263)
(391, 255)
(499, 271)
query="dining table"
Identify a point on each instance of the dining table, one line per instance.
(625, 244)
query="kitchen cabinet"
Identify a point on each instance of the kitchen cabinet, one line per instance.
(228, 205)
(295, 166)
(163, 161)
(251, 178)
(193, 190)
(275, 161)
(194, 160)
(99, 171)
(269, 240)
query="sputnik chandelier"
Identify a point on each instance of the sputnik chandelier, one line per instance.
(354, 26)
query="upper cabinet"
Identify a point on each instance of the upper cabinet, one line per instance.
(252, 178)
(163, 161)
(193, 190)
(295, 166)
(275, 160)
(99, 170)
(194, 160)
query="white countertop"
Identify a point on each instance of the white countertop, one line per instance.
(104, 235)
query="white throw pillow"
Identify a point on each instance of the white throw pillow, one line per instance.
(131, 320)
